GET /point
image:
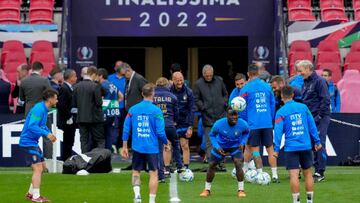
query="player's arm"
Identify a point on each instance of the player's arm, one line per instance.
(35, 123)
(278, 131)
(313, 130)
(245, 135)
(272, 104)
(126, 134)
(213, 134)
(160, 127)
(324, 98)
(244, 95)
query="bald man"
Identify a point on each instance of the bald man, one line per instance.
(186, 114)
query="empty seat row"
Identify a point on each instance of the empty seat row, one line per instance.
(41, 11)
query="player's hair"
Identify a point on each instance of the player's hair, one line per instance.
(277, 79)
(68, 73)
(91, 70)
(103, 72)
(207, 67)
(148, 89)
(125, 66)
(175, 67)
(328, 70)
(24, 67)
(49, 93)
(239, 76)
(305, 64)
(287, 92)
(231, 111)
(54, 71)
(37, 65)
(162, 82)
(253, 70)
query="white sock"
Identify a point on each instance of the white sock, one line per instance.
(296, 197)
(30, 189)
(274, 173)
(207, 186)
(241, 185)
(152, 198)
(36, 193)
(259, 170)
(309, 197)
(136, 191)
(246, 166)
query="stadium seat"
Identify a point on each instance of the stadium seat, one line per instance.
(42, 46)
(300, 10)
(11, 46)
(335, 68)
(43, 52)
(334, 14)
(14, 57)
(42, 57)
(328, 57)
(41, 11)
(299, 3)
(9, 16)
(298, 56)
(350, 97)
(331, 3)
(327, 46)
(352, 61)
(10, 3)
(349, 75)
(300, 46)
(355, 46)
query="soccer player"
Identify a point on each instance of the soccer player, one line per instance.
(259, 113)
(34, 128)
(295, 120)
(228, 136)
(145, 123)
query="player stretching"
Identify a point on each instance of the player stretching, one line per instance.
(34, 128)
(228, 136)
(295, 120)
(145, 123)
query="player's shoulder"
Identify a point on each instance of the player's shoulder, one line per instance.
(220, 122)
(242, 122)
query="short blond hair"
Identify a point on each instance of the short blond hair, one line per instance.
(305, 64)
(162, 82)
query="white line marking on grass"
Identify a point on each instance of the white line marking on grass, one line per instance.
(173, 189)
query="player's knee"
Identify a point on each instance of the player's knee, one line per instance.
(184, 146)
(135, 180)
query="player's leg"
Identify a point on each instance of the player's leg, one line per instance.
(167, 153)
(215, 159)
(321, 155)
(209, 147)
(138, 162)
(152, 160)
(306, 163)
(238, 160)
(292, 165)
(267, 141)
(176, 154)
(247, 158)
(161, 166)
(186, 151)
(254, 143)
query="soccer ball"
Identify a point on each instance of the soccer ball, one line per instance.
(263, 178)
(238, 104)
(186, 176)
(233, 173)
(250, 176)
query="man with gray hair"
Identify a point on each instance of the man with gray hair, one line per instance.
(211, 98)
(316, 96)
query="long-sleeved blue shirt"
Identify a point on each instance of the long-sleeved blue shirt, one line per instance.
(335, 102)
(295, 120)
(316, 96)
(234, 93)
(145, 123)
(222, 135)
(35, 126)
(260, 104)
(186, 106)
(168, 104)
(120, 84)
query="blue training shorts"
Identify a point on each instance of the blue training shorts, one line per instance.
(141, 160)
(234, 152)
(33, 155)
(261, 137)
(296, 158)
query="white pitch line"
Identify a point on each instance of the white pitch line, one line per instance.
(174, 198)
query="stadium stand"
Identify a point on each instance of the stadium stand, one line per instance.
(299, 49)
(10, 11)
(41, 11)
(333, 10)
(300, 10)
(349, 90)
(43, 52)
(352, 61)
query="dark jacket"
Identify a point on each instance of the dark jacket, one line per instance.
(4, 96)
(211, 99)
(87, 99)
(31, 90)
(316, 96)
(133, 93)
(168, 104)
(64, 105)
(186, 106)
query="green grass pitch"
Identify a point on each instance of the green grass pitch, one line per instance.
(342, 184)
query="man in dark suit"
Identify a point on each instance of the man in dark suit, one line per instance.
(65, 117)
(22, 72)
(4, 95)
(133, 87)
(87, 99)
(32, 87)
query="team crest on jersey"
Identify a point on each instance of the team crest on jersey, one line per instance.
(34, 157)
(185, 97)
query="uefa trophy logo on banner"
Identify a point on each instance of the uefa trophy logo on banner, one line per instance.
(261, 52)
(84, 53)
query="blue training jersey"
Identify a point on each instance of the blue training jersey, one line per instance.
(35, 126)
(295, 120)
(234, 93)
(260, 104)
(120, 85)
(168, 104)
(145, 123)
(225, 136)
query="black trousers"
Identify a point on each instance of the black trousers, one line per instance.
(68, 140)
(119, 141)
(91, 136)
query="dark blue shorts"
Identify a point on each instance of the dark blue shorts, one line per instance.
(233, 152)
(181, 132)
(33, 155)
(261, 137)
(171, 134)
(141, 160)
(299, 158)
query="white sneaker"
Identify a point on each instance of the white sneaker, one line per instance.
(137, 199)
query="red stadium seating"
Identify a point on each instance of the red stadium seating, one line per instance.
(298, 56)
(41, 11)
(335, 68)
(300, 46)
(328, 57)
(352, 61)
(299, 3)
(355, 46)
(300, 10)
(11, 46)
(349, 75)
(42, 46)
(43, 52)
(10, 3)
(10, 11)
(331, 3)
(333, 10)
(350, 97)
